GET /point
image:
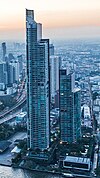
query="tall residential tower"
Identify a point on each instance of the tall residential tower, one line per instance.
(70, 108)
(38, 84)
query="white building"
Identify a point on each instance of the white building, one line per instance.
(86, 111)
(87, 116)
(21, 117)
(77, 163)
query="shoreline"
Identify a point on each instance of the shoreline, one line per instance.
(30, 169)
(6, 165)
(43, 171)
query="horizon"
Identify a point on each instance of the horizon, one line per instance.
(67, 19)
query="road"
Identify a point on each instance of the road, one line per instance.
(8, 115)
(20, 102)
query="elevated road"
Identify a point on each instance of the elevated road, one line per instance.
(21, 101)
(12, 112)
(9, 117)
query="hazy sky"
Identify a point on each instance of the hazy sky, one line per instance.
(60, 18)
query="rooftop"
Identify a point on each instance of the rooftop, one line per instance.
(77, 159)
(16, 150)
(4, 145)
(76, 90)
(22, 114)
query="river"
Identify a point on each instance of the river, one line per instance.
(8, 172)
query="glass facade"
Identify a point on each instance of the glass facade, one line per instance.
(70, 108)
(77, 113)
(37, 84)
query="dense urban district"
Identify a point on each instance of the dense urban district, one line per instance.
(50, 104)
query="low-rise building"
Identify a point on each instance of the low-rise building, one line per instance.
(21, 118)
(79, 163)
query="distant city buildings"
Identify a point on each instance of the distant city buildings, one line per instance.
(51, 49)
(15, 64)
(12, 69)
(3, 51)
(9, 73)
(38, 85)
(1, 72)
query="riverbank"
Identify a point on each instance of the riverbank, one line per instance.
(52, 173)
(9, 172)
(40, 171)
(6, 165)
(62, 174)
(30, 169)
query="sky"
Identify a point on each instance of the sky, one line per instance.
(61, 19)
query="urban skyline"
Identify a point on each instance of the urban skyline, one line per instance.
(50, 92)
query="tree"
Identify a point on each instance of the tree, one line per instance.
(95, 96)
(97, 171)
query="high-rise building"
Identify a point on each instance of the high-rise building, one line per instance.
(10, 73)
(3, 73)
(70, 108)
(38, 84)
(15, 64)
(10, 57)
(54, 75)
(3, 51)
(20, 60)
(51, 49)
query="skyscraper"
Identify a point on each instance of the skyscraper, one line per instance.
(70, 107)
(38, 84)
(10, 73)
(77, 113)
(54, 75)
(3, 50)
(3, 73)
(15, 64)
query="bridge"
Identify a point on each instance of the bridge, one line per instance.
(12, 112)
